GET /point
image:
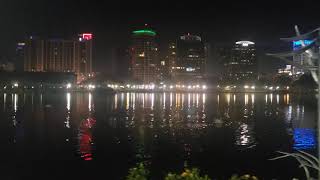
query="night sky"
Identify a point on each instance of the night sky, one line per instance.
(218, 22)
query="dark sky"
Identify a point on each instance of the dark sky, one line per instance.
(218, 22)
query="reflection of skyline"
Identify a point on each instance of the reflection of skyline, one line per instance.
(244, 135)
(173, 112)
(4, 101)
(85, 138)
(304, 138)
(68, 107)
(15, 108)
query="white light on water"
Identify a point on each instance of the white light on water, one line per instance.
(252, 98)
(15, 102)
(89, 102)
(246, 99)
(228, 98)
(68, 101)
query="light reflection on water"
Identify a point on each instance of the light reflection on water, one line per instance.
(191, 122)
(193, 114)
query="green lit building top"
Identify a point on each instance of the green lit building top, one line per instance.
(144, 54)
(144, 32)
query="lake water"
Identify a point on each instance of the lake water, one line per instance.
(100, 136)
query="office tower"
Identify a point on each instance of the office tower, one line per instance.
(144, 56)
(120, 62)
(59, 55)
(300, 59)
(242, 66)
(19, 56)
(172, 57)
(190, 60)
(167, 63)
(34, 55)
(83, 56)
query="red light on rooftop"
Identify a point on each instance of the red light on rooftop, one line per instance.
(87, 36)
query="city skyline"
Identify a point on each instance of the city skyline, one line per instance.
(112, 22)
(162, 89)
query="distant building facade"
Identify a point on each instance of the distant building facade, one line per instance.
(168, 63)
(59, 55)
(241, 67)
(300, 59)
(120, 62)
(288, 70)
(144, 56)
(19, 57)
(187, 59)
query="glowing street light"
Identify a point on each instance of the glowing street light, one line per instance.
(90, 86)
(68, 85)
(204, 87)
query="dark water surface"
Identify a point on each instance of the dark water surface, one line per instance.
(100, 136)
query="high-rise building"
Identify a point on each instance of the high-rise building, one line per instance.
(19, 56)
(188, 59)
(34, 55)
(120, 62)
(172, 56)
(83, 56)
(168, 62)
(144, 56)
(59, 55)
(241, 67)
(301, 59)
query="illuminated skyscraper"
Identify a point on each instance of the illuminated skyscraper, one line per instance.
(34, 55)
(83, 56)
(300, 59)
(144, 56)
(18, 60)
(169, 62)
(188, 59)
(59, 55)
(241, 67)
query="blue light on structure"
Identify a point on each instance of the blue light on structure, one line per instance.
(297, 44)
(304, 138)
